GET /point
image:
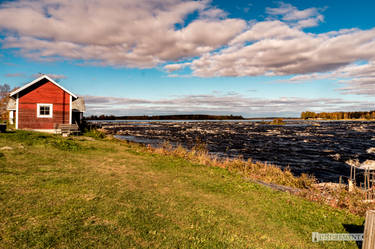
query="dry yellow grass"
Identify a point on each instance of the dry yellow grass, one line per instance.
(269, 173)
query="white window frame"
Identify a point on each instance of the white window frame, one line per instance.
(42, 115)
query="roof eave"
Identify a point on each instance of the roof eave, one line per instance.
(37, 80)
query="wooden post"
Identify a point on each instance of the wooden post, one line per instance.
(351, 185)
(369, 233)
(368, 179)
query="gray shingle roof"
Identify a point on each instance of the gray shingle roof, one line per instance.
(11, 104)
(78, 105)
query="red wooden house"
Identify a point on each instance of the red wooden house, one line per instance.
(44, 105)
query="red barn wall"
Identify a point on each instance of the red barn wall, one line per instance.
(43, 93)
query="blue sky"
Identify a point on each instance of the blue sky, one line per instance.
(253, 58)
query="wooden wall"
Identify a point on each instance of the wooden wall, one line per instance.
(43, 92)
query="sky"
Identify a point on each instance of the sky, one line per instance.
(157, 57)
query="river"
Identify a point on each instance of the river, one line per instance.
(320, 148)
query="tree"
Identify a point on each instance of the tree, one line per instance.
(4, 97)
(307, 115)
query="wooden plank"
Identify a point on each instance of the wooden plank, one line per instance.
(369, 233)
(68, 128)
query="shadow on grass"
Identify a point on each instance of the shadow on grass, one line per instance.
(350, 228)
(8, 131)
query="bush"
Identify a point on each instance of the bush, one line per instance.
(278, 121)
(65, 144)
(94, 133)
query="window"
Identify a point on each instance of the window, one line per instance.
(45, 110)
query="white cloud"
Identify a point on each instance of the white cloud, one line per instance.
(356, 79)
(299, 18)
(230, 103)
(289, 12)
(116, 32)
(213, 13)
(53, 76)
(282, 50)
(9, 75)
(311, 22)
(175, 67)
(268, 30)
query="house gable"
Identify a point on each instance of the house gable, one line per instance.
(42, 78)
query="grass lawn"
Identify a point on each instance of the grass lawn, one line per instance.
(77, 193)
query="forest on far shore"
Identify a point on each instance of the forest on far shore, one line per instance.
(338, 115)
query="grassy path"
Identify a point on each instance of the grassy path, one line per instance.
(60, 193)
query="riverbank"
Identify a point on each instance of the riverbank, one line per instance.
(92, 192)
(336, 194)
(321, 149)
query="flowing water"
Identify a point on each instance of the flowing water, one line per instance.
(318, 148)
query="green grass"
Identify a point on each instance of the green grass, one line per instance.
(84, 193)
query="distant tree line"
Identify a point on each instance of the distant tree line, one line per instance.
(167, 117)
(338, 115)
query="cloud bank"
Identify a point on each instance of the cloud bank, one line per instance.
(230, 103)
